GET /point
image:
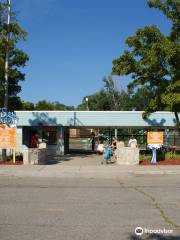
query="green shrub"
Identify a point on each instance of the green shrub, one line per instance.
(172, 155)
(161, 155)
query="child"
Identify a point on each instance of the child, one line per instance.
(100, 148)
(107, 155)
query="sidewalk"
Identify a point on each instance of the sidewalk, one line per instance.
(103, 171)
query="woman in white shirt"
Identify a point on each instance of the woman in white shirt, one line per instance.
(132, 142)
(100, 148)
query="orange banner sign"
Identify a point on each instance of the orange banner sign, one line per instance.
(155, 138)
(7, 137)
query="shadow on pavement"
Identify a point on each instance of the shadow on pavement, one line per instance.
(72, 156)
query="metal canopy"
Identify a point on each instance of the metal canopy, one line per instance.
(119, 119)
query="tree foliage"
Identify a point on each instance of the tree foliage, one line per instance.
(140, 100)
(171, 9)
(45, 105)
(118, 99)
(109, 98)
(10, 35)
(153, 61)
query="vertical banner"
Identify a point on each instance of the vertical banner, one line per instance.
(155, 141)
(7, 137)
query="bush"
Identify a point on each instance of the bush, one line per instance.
(161, 155)
(172, 155)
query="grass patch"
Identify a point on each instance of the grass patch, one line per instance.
(147, 155)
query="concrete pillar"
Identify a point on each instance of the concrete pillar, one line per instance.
(60, 141)
(25, 152)
(19, 137)
(127, 155)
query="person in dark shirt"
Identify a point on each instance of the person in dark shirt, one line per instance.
(34, 141)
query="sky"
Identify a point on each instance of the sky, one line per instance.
(71, 44)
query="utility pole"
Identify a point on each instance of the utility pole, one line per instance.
(6, 76)
(6, 84)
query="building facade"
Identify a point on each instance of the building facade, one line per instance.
(53, 127)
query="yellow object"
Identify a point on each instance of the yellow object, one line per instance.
(155, 138)
(14, 155)
(7, 137)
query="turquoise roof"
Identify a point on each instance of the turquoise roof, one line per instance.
(95, 118)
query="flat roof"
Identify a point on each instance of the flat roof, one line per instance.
(119, 119)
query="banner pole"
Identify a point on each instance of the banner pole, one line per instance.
(14, 155)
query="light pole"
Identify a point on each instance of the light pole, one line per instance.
(87, 106)
(6, 76)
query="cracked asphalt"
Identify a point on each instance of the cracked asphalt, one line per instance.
(89, 208)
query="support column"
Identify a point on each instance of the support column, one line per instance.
(60, 141)
(66, 140)
(19, 137)
(115, 133)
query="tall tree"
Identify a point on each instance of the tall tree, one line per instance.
(118, 99)
(171, 9)
(10, 35)
(153, 61)
(109, 87)
(109, 98)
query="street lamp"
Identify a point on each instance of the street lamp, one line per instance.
(87, 107)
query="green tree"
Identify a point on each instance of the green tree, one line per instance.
(44, 105)
(153, 61)
(51, 106)
(96, 102)
(109, 98)
(10, 35)
(60, 106)
(27, 106)
(171, 9)
(140, 100)
(118, 99)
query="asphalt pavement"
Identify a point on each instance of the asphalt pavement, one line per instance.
(77, 201)
(84, 171)
(43, 208)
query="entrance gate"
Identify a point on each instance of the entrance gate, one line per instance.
(81, 140)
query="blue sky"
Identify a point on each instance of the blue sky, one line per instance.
(71, 44)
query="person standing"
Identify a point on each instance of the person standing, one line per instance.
(100, 148)
(114, 144)
(132, 142)
(34, 141)
(114, 147)
(93, 144)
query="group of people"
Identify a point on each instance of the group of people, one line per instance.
(34, 143)
(101, 148)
